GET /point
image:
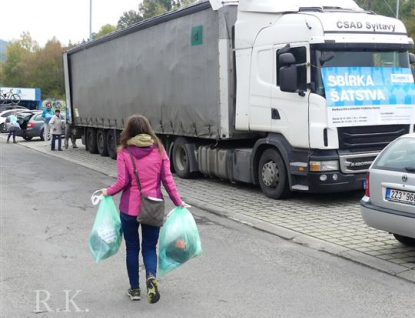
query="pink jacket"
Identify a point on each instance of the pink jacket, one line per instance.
(152, 168)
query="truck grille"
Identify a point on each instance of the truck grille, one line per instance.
(357, 163)
(369, 138)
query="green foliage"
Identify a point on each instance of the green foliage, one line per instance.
(129, 18)
(151, 8)
(388, 8)
(28, 65)
(105, 29)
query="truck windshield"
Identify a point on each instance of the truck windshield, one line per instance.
(352, 58)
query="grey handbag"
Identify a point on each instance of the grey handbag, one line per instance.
(152, 210)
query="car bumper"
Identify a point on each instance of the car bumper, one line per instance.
(388, 220)
(28, 133)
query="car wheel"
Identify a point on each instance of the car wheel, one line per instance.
(3, 128)
(91, 139)
(27, 138)
(405, 240)
(272, 175)
(102, 143)
(42, 135)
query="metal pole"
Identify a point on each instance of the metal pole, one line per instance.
(397, 9)
(90, 20)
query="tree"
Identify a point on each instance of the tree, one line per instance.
(151, 8)
(28, 65)
(105, 29)
(388, 8)
(17, 53)
(129, 18)
(49, 71)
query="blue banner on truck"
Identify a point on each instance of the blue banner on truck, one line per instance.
(358, 96)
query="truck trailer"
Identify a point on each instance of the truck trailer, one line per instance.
(294, 96)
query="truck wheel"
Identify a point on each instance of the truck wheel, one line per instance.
(102, 143)
(91, 139)
(405, 240)
(111, 144)
(181, 159)
(272, 175)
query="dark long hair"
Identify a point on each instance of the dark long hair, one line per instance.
(136, 125)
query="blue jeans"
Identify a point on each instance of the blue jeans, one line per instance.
(54, 137)
(12, 132)
(150, 239)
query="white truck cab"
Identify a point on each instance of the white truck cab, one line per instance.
(314, 76)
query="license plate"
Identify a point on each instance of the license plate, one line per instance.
(400, 196)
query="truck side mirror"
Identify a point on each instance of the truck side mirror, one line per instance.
(288, 79)
(412, 58)
(286, 59)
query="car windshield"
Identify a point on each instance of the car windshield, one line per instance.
(353, 58)
(399, 156)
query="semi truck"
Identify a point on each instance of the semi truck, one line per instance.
(292, 96)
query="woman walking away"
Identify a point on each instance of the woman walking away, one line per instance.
(153, 168)
(13, 126)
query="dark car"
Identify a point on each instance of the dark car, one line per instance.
(32, 125)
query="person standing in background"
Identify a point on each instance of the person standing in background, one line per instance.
(56, 130)
(47, 115)
(13, 126)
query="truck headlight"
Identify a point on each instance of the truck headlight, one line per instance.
(331, 165)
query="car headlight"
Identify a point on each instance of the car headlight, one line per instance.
(331, 165)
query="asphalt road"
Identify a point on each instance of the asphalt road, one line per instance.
(46, 216)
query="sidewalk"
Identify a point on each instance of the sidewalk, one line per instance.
(328, 223)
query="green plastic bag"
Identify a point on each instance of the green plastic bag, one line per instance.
(106, 235)
(179, 240)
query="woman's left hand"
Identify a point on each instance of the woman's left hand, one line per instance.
(104, 192)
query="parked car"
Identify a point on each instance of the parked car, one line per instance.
(389, 201)
(32, 125)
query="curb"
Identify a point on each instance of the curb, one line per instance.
(311, 242)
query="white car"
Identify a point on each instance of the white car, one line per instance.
(389, 201)
(3, 117)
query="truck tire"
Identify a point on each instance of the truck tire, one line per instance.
(111, 144)
(181, 159)
(102, 142)
(272, 175)
(91, 140)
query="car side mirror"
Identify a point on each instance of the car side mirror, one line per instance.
(412, 58)
(288, 79)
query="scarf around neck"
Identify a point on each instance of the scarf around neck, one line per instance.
(141, 140)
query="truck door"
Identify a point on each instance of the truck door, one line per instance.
(289, 111)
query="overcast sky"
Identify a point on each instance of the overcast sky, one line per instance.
(64, 19)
